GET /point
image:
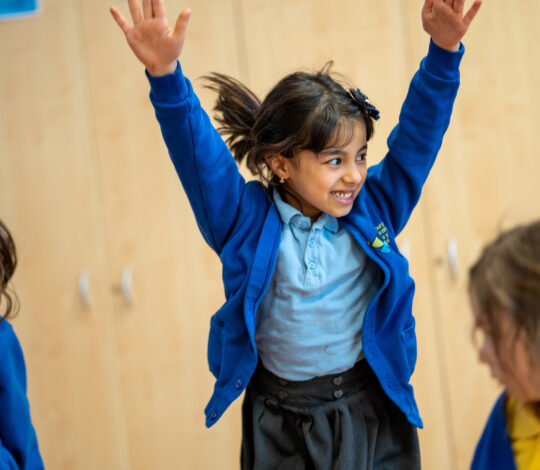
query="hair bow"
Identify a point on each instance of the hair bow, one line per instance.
(363, 101)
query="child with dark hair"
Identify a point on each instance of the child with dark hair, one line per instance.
(317, 326)
(18, 442)
(504, 288)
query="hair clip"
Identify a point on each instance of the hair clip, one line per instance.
(363, 101)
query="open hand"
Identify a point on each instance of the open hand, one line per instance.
(153, 42)
(443, 20)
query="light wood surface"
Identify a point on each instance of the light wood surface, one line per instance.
(161, 338)
(485, 180)
(49, 186)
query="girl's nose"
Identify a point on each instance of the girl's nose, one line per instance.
(353, 175)
(483, 355)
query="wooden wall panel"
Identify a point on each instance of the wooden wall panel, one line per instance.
(484, 181)
(150, 228)
(48, 197)
(363, 41)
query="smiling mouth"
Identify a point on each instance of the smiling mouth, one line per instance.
(343, 195)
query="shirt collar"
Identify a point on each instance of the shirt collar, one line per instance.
(524, 424)
(292, 216)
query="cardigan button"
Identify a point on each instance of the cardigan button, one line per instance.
(238, 384)
(213, 415)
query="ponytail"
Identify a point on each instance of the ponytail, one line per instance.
(236, 112)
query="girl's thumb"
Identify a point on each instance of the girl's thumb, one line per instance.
(182, 23)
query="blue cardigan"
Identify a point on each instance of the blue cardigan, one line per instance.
(18, 443)
(494, 449)
(241, 224)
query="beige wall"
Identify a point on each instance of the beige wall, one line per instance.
(86, 185)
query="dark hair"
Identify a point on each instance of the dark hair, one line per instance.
(304, 111)
(506, 281)
(8, 263)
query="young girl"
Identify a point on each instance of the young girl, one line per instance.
(18, 443)
(504, 288)
(317, 322)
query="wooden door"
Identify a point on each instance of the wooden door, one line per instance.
(49, 197)
(485, 180)
(162, 336)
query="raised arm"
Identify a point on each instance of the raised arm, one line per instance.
(204, 164)
(154, 43)
(396, 183)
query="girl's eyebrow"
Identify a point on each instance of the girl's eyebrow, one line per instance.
(339, 150)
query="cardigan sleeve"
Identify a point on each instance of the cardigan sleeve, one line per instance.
(18, 442)
(396, 182)
(204, 164)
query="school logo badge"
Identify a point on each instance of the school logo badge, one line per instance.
(381, 241)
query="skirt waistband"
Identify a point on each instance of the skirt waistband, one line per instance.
(317, 390)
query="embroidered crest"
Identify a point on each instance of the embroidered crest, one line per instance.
(381, 241)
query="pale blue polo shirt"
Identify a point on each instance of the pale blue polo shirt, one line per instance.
(309, 322)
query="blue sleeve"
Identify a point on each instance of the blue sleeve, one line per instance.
(207, 170)
(7, 462)
(396, 182)
(18, 442)
(494, 449)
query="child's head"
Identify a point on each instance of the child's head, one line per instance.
(308, 137)
(8, 262)
(504, 288)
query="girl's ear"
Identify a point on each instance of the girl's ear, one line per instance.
(279, 165)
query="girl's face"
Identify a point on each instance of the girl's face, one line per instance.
(330, 180)
(511, 363)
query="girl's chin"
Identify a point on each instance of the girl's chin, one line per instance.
(342, 212)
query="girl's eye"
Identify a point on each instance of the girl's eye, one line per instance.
(334, 161)
(361, 158)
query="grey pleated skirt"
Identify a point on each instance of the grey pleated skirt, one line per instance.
(336, 422)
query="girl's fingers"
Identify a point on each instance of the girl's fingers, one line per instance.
(459, 5)
(181, 23)
(472, 12)
(120, 20)
(438, 4)
(159, 8)
(147, 9)
(428, 5)
(135, 10)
